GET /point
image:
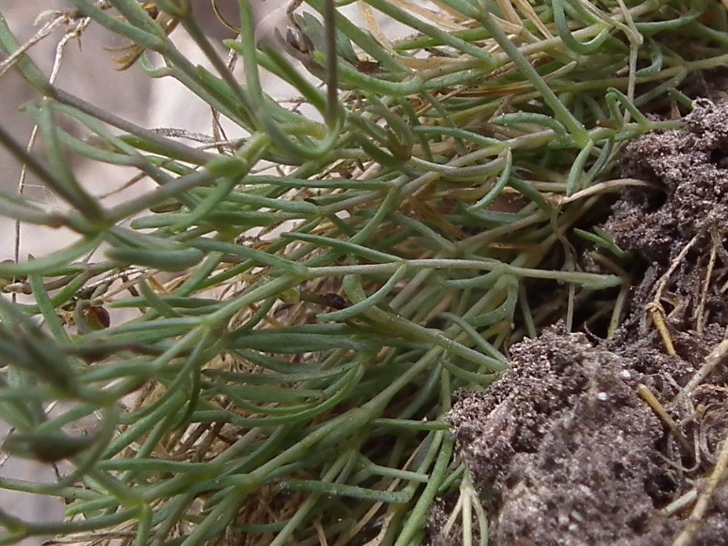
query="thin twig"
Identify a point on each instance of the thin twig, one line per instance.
(705, 496)
(665, 279)
(661, 412)
(657, 312)
(714, 358)
(604, 187)
(701, 317)
(61, 18)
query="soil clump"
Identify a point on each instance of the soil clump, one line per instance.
(589, 441)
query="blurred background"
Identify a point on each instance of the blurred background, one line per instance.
(87, 70)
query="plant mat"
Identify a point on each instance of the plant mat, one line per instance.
(622, 441)
(307, 299)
